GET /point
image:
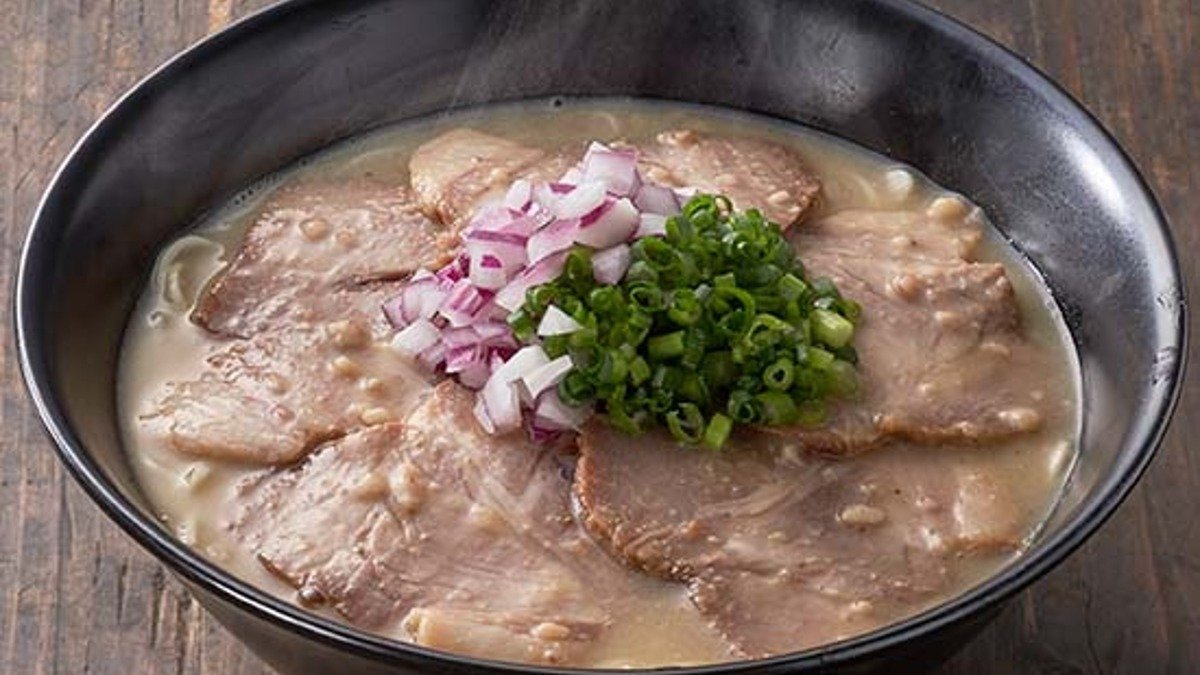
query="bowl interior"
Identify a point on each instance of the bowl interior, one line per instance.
(892, 77)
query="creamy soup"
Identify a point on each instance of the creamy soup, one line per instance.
(884, 533)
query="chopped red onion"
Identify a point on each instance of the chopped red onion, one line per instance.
(493, 332)
(456, 318)
(557, 322)
(433, 357)
(417, 337)
(502, 404)
(547, 269)
(488, 273)
(499, 394)
(474, 376)
(454, 338)
(481, 415)
(499, 237)
(539, 380)
(495, 361)
(491, 311)
(610, 265)
(552, 413)
(615, 169)
(559, 235)
(491, 217)
(541, 435)
(580, 201)
(463, 301)
(651, 225)
(525, 360)
(613, 224)
(522, 227)
(454, 272)
(657, 199)
(393, 309)
(422, 299)
(462, 357)
(508, 249)
(540, 216)
(573, 176)
(518, 195)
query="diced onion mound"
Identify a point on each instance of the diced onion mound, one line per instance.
(596, 293)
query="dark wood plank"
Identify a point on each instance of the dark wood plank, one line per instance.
(76, 596)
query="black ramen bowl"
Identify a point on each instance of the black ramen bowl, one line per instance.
(892, 76)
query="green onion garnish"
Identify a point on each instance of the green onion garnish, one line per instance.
(713, 325)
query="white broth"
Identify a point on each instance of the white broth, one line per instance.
(195, 495)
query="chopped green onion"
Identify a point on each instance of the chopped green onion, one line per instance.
(777, 407)
(663, 347)
(522, 325)
(717, 432)
(830, 328)
(605, 300)
(715, 324)
(577, 270)
(639, 371)
(844, 379)
(685, 307)
(810, 413)
(555, 345)
(791, 288)
(695, 344)
(744, 408)
(691, 387)
(631, 422)
(719, 369)
(612, 368)
(576, 388)
(818, 359)
(733, 324)
(647, 297)
(686, 423)
(640, 270)
(779, 375)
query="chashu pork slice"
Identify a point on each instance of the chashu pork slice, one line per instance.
(457, 171)
(435, 530)
(272, 398)
(943, 355)
(754, 173)
(305, 356)
(310, 241)
(781, 549)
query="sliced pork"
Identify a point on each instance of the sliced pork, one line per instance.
(306, 356)
(942, 353)
(458, 170)
(436, 530)
(310, 241)
(781, 549)
(753, 173)
(274, 397)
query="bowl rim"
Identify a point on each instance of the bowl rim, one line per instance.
(195, 569)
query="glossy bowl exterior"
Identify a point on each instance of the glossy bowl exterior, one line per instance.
(892, 76)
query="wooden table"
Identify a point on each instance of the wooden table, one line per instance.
(76, 596)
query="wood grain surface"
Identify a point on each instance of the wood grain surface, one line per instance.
(76, 596)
